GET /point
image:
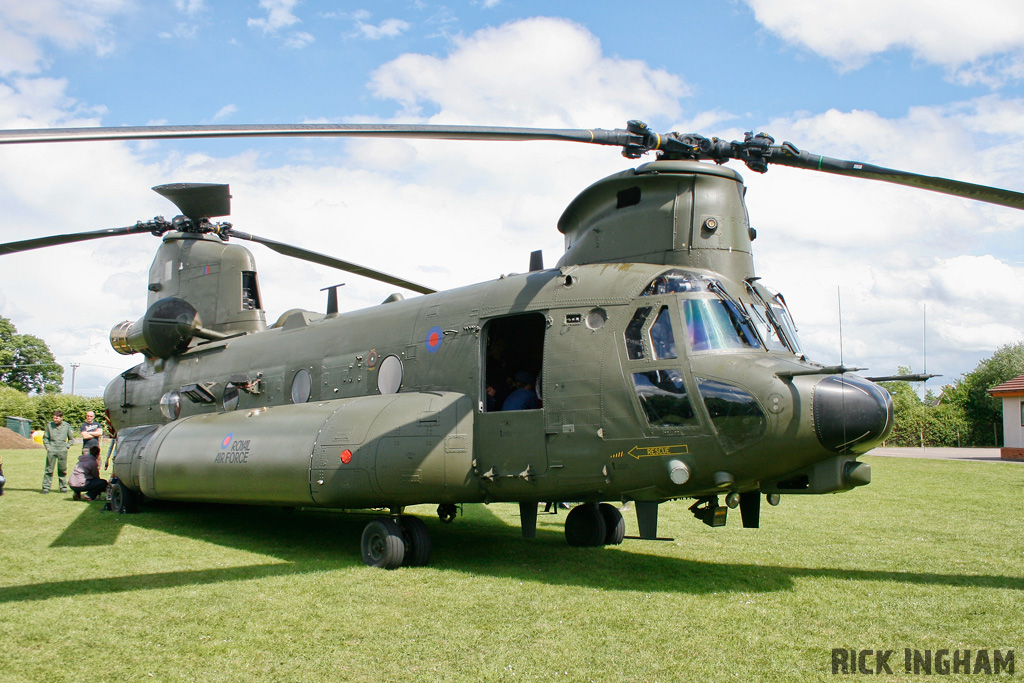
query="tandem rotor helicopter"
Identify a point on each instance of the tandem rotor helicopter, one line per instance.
(662, 368)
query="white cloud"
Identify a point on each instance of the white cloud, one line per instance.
(894, 251)
(26, 26)
(225, 111)
(190, 7)
(389, 28)
(298, 40)
(979, 42)
(279, 16)
(548, 71)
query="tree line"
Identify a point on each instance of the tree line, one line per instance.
(965, 414)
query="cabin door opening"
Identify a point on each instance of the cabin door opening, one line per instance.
(515, 347)
(510, 448)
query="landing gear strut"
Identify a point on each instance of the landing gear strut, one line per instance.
(446, 512)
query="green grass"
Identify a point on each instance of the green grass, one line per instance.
(929, 556)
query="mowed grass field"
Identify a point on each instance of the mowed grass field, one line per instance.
(929, 556)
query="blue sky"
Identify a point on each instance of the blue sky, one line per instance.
(920, 86)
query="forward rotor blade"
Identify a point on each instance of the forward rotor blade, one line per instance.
(757, 151)
(428, 132)
(330, 261)
(786, 155)
(54, 240)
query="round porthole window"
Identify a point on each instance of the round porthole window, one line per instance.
(389, 375)
(170, 405)
(302, 385)
(596, 318)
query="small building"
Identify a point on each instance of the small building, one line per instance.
(1012, 394)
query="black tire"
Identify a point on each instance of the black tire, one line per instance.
(382, 544)
(615, 526)
(417, 541)
(585, 527)
(123, 499)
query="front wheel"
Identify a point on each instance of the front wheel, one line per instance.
(382, 544)
(585, 526)
(417, 541)
(615, 526)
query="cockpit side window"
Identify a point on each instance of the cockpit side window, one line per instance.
(715, 324)
(778, 306)
(766, 330)
(663, 342)
(770, 316)
(663, 396)
(634, 333)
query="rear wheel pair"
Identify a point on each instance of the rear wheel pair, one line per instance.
(594, 524)
(389, 542)
(122, 498)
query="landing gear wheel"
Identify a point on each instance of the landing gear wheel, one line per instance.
(585, 526)
(615, 526)
(417, 541)
(122, 498)
(382, 544)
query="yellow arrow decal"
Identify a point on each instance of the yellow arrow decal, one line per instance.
(653, 451)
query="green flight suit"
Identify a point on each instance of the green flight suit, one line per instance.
(57, 439)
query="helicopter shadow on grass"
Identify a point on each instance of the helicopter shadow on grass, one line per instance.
(480, 543)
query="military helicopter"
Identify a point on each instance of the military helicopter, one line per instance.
(655, 363)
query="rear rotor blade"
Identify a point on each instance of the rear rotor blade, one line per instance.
(71, 238)
(330, 261)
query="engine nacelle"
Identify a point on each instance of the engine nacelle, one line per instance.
(168, 326)
(371, 451)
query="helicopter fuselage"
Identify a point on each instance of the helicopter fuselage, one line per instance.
(391, 406)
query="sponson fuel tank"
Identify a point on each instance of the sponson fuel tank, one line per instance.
(363, 452)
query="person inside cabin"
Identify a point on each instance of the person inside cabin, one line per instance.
(524, 397)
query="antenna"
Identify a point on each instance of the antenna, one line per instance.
(924, 337)
(839, 299)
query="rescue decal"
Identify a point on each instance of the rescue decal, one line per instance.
(653, 451)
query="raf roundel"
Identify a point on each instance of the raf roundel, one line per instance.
(227, 441)
(434, 338)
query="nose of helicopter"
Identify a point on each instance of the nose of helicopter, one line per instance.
(851, 414)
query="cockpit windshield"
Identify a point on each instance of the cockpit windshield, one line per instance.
(722, 322)
(714, 324)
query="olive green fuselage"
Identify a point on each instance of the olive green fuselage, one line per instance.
(435, 440)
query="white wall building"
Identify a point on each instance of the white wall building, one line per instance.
(1012, 394)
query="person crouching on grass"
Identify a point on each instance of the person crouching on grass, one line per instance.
(85, 479)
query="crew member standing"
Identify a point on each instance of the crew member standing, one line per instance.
(57, 437)
(91, 432)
